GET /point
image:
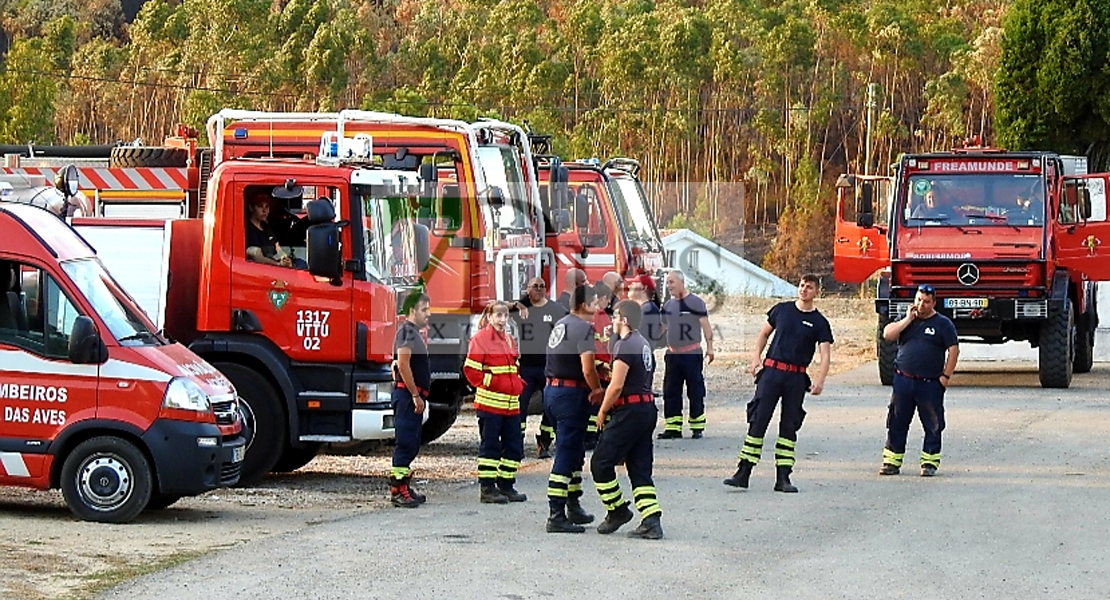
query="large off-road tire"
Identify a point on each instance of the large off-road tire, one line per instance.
(294, 458)
(160, 501)
(265, 415)
(1084, 349)
(125, 157)
(107, 479)
(886, 351)
(439, 421)
(1057, 347)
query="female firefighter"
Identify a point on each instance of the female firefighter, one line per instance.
(491, 367)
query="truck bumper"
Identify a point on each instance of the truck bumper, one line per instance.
(193, 458)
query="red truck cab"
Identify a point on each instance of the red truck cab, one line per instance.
(94, 400)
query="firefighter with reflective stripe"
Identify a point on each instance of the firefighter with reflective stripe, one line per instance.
(572, 386)
(608, 291)
(686, 319)
(921, 375)
(799, 329)
(627, 435)
(412, 377)
(491, 367)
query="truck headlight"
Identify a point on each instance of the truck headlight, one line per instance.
(183, 394)
(369, 392)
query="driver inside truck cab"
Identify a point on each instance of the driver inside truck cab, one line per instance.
(928, 207)
(262, 245)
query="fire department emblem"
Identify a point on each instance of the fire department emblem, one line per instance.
(648, 358)
(557, 335)
(1091, 243)
(968, 274)
(864, 244)
(279, 295)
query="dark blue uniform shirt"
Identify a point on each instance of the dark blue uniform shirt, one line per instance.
(651, 327)
(635, 352)
(570, 339)
(797, 333)
(536, 330)
(922, 346)
(408, 336)
(683, 319)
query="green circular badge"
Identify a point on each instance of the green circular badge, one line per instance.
(921, 186)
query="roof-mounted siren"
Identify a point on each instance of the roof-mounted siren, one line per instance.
(337, 148)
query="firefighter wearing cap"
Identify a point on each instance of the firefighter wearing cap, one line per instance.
(799, 329)
(491, 367)
(572, 385)
(412, 377)
(608, 289)
(687, 321)
(921, 375)
(642, 289)
(627, 435)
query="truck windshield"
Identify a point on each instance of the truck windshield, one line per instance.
(995, 199)
(388, 225)
(126, 322)
(631, 205)
(502, 168)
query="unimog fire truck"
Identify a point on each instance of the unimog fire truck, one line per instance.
(1012, 241)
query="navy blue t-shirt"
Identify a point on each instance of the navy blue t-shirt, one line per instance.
(922, 346)
(536, 330)
(683, 319)
(409, 336)
(797, 333)
(570, 339)
(635, 352)
(651, 326)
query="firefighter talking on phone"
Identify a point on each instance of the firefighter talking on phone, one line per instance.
(927, 353)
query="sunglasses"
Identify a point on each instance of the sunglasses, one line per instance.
(538, 285)
(927, 289)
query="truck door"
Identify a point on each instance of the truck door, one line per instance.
(862, 221)
(309, 318)
(592, 225)
(1082, 233)
(40, 389)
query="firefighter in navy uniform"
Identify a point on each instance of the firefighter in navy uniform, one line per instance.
(572, 386)
(627, 436)
(686, 319)
(412, 377)
(921, 376)
(799, 330)
(608, 292)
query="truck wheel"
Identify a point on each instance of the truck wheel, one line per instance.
(1057, 348)
(886, 351)
(439, 422)
(266, 418)
(1084, 349)
(294, 458)
(127, 157)
(160, 501)
(106, 479)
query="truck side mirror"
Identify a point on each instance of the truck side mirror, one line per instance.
(558, 184)
(865, 197)
(581, 211)
(85, 345)
(423, 246)
(322, 253)
(1085, 203)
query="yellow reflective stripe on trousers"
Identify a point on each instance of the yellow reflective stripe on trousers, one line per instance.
(891, 457)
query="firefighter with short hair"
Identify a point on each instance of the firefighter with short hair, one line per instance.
(627, 435)
(799, 330)
(491, 367)
(687, 322)
(412, 379)
(572, 386)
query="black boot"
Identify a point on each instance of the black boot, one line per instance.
(420, 498)
(743, 473)
(614, 519)
(543, 444)
(490, 495)
(649, 529)
(509, 492)
(558, 523)
(400, 495)
(576, 515)
(782, 482)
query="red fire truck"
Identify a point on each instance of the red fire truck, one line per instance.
(1011, 241)
(94, 400)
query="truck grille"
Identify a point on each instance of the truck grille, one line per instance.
(225, 408)
(229, 474)
(1002, 279)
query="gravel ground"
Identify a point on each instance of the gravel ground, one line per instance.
(47, 554)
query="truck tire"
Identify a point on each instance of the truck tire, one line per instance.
(294, 458)
(127, 157)
(1084, 348)
(1057, 348)
(885, 351)
(266, 419)
(106, 479)
(439, 422)
(161, 501)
